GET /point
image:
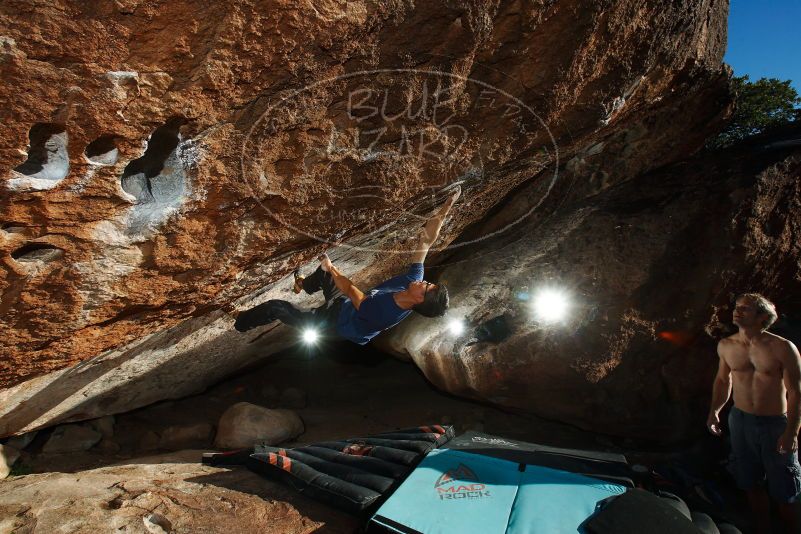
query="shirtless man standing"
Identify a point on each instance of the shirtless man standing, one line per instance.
(765, 419)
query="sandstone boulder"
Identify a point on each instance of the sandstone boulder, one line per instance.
(187, 436)
(148, 441)
(104, 425)
(21, 441)
(8, 456)
(108, 446)
(244, 424)
(72, 438)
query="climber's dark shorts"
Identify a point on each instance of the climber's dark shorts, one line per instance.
(754, 457)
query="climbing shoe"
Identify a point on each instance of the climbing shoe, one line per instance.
(298, 287)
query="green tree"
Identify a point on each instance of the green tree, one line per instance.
(761, 106)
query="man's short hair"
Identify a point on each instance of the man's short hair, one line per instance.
(435, 303)
(763, 307)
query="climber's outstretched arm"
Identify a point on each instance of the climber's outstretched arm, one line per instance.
(430, 232)
(342, 282)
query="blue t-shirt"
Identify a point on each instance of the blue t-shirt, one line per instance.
(378, 311)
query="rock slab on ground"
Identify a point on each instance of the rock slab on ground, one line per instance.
(245, 424)
(157, 524)
(188, 498)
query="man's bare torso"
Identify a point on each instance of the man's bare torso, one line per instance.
(757, 373)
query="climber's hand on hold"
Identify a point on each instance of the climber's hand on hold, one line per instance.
(325, 262)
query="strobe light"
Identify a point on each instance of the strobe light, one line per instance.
(310, 336)
(550, 305)
(456, 326)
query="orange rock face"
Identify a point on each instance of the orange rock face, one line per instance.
(162, 160)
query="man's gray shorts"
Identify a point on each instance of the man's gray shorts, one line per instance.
(754, 457)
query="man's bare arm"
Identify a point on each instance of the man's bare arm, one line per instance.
(721, 391)
(342, 282)
(430, 232)
(792, 381)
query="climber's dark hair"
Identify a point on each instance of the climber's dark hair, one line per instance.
(435, 303)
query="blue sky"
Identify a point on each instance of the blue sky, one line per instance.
(765, 39)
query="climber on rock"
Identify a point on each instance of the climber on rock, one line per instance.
(351, 314)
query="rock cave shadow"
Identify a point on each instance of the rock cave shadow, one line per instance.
(178, 365)
(335, 351)
(68, 383)
(75, 378)
(71, 381)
